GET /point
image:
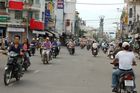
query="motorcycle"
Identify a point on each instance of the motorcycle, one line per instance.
(88, 47)
(82, 46)
(26, 62)
(71, 51)
(54, 51)
(111, 55)
(12, 70)
(105, 50)
(45, 56)
(32, 49)
(126, 82)
(94, 52)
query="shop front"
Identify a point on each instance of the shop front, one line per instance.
(12, 31)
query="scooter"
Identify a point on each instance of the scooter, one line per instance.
(26, 62)
(94, 52)
(126, 82)
(32, 49)
(12, 70)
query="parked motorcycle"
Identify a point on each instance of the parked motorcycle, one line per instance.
(12, 69)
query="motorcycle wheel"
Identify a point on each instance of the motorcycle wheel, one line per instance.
(17, 78)
(7, 77)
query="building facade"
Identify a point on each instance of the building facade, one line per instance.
(22, 17)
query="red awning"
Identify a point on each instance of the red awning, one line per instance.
(16, 5)
(36, 25)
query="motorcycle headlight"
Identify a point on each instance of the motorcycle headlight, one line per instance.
(6, 68)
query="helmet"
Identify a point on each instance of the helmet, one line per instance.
(33, 39)
(125, 44)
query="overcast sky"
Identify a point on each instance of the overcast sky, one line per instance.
(92, 13)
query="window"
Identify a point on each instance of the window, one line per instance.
(130, 22)
(2, 5)
(130, 13)
(18, 14)
(31, 2)
(37, 1)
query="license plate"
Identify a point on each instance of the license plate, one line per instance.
(129, 83)
(94, 50)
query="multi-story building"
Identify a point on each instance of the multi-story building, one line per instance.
(69, 16)
(26, 17)
(4, 18)
(59, 16)
(133, 8)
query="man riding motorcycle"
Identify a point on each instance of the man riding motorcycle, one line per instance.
(71, 47)
(33, 46)
(94, 47)
(17, 48)
(47, 45)
(55, 46)
(125, 60)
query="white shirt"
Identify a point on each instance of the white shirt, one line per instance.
(95, 45)
(126, 59)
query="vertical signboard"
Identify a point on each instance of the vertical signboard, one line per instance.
(60, 4)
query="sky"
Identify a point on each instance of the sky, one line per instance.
(92, 13)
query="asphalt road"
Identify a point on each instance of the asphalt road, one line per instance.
(81, 73)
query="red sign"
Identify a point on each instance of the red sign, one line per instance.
(36, 25)
(16, 5)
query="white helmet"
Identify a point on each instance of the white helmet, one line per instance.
(125, 44)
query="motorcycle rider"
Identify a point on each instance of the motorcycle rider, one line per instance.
(26, 49)
(17, 48)
(47, 45)
(33, 46)
(118, 48)
(71, 45)
(95, 46)
(125, 59)
(55, 44)
(111, 48)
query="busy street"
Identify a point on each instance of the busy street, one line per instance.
(79, 73)
(69, 46)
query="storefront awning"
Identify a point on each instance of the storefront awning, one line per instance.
(39, 32)
(12, 29)
(55, 33)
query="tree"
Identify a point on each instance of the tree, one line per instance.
(81, 33)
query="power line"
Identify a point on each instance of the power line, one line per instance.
(96, 3)
(107, 19)
(101, 3)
